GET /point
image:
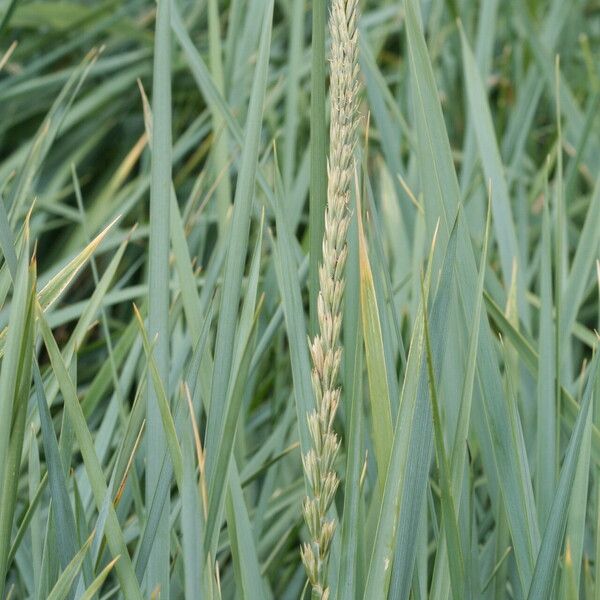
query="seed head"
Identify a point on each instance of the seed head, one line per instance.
(325, 349)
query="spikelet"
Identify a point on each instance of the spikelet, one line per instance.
(325, 348)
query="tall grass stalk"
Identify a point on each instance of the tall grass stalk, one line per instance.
(158, 287)
(325, 349)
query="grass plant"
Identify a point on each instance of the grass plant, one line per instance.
(371, 374)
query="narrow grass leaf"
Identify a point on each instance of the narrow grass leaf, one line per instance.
(381, 412)
(458, 576)
(236, 254)
(28, 517)
(192, 522)
(52, 291)
(318, 155)
(222, 452)
(167, 422)
(504, 226)
(384, 544)
(291, 299)
(351, 579)
(546, 451)
(158, 283)
(243, 548)
(96, 585)
(114, 533)
(61, 503)
(585, 255)
(12, 357)
(16, 385)
(575, 531)
(63, 586)
(547, 560)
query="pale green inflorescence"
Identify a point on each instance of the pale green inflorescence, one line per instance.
(325, 348)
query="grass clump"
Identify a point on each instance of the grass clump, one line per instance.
(166, 431)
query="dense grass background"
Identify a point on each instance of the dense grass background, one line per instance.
(155, 169)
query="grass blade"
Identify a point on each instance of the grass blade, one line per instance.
(381, 411)
(63, 586)
(547, 458)
(158, 283)
(61, 503)
(461, 587)
(234, 263)
(494, 172)
(114, 534)
(15, 382)
(547, 561)
(318, 154)
(96, 585)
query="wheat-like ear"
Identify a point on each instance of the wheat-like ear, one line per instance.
(325, 348)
